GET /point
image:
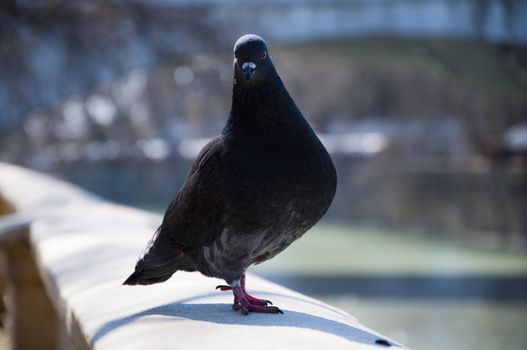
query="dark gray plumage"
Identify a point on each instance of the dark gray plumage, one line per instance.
(251, 191)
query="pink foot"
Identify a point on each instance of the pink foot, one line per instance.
(245, 303)
(252, 300)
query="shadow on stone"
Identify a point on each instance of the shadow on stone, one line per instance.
(221, 313)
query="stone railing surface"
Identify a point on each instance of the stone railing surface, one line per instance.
(67, 253)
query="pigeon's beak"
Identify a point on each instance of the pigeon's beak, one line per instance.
(248, 69)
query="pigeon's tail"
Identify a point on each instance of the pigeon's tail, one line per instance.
(155, 268)
(139, 277)
(160, 261)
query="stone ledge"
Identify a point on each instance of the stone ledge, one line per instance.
(85, 247)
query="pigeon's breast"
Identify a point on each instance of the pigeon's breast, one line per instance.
(267, 185)
(278, 193)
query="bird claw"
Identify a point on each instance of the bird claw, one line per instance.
(252, 300)
(256, 301)
(246, 307)
(223, 287)
(244, 310)
(245, 303)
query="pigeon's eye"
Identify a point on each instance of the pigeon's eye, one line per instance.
(264, 55)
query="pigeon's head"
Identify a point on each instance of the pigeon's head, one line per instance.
(252, 62)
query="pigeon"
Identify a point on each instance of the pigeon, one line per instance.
(251, 191)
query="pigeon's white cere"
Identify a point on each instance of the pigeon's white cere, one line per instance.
(249, 64)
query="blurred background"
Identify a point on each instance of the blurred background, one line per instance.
(421, 103)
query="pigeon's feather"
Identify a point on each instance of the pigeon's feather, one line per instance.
(159, 261)
(194, 218)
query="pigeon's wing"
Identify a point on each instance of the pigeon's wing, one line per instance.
(195, 216)
(193, 219)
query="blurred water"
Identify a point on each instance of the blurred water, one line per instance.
(445, 324)
(451, 200)
(148, 185)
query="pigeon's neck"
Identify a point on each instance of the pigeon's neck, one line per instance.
(257, 107)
